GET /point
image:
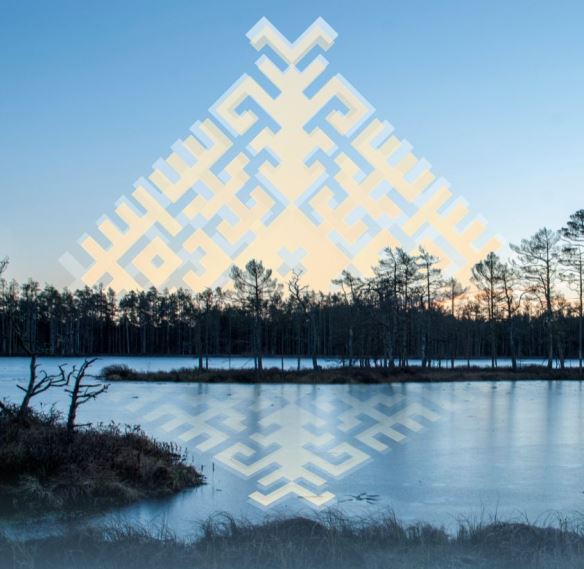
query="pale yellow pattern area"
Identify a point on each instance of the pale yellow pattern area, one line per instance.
(288, 444)
(312, 182)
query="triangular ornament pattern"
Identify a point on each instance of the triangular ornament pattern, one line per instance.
(291, 167)
(290, 442)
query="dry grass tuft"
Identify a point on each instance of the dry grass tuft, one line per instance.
(328, 541)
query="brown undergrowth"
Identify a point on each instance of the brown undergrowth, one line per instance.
(44, 467)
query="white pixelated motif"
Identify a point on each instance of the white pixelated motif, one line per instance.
(293, 167)
(289, 443)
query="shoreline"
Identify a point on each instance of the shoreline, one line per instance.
(343, 375)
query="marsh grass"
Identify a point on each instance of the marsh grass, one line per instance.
(327, 541)
(44, 468)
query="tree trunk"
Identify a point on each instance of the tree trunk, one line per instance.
(314, 341)
(581, 322)
(23, 410)
(512, 350)
(580, 331)
(72, 415)
(258, 345)
(550, 342)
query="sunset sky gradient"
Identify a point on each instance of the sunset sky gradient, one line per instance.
(490, 92)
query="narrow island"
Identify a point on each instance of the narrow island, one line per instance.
(341, 375)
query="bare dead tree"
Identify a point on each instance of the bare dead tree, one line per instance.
(81, 393)
(3, 265)
(37, 382)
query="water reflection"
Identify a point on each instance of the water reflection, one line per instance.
(429, 451)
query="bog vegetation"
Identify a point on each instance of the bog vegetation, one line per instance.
(46, 468)
(528, 306)
(329, 541)
(50, 463)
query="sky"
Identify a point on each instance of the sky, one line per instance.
(92, 93)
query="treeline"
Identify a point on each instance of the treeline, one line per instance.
(528, 306)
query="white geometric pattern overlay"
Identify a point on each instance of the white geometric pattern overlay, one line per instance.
(293, 167)
(289, 442)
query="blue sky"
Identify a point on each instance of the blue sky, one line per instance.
(92, 93)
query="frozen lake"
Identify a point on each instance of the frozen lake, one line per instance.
(430, 452)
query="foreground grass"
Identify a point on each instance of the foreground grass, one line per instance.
(327, 542)
(43, 468)
(370, 375)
